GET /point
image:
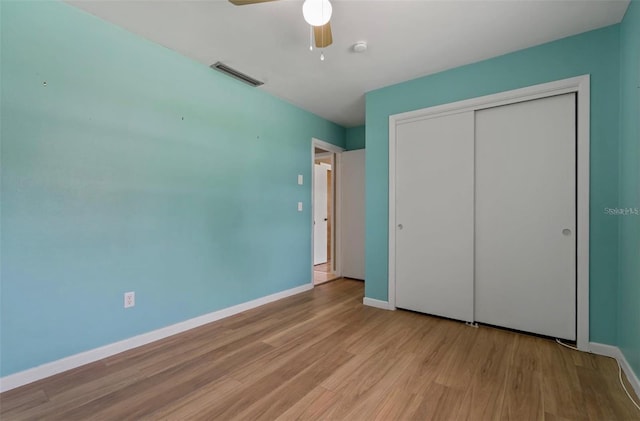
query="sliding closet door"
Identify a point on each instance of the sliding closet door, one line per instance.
(525, 241)
(434, 216)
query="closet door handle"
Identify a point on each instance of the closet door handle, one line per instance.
(566, 232)
(400, 226)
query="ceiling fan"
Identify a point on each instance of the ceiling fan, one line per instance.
(317, 14)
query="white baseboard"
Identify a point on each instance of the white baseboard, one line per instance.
(49, 369)
(372, 302)
(614, 352)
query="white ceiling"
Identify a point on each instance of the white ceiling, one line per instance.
(407, 39)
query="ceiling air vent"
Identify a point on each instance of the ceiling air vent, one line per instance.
(221, 67)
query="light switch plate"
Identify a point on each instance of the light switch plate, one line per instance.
(299, 206)
(300, 179)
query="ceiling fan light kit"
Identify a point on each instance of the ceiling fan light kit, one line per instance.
(317, 12)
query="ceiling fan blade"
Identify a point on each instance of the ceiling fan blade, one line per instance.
(245, 2)
(322, 35)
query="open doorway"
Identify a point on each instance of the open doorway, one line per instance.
(324, 244)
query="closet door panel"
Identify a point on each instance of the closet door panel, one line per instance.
(434, 216)
(352, 225)
(525, 241)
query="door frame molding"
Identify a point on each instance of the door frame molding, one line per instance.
(581, 86)
(336, 249)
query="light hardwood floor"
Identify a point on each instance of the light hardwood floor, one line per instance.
(322, 273)
(323, 355)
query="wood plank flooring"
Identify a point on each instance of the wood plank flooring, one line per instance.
(323, 355)
(322, 273)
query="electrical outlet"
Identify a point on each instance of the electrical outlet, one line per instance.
(129, 299)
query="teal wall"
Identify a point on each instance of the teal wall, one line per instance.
(595, 53)
(629, 283)
(355, 138)
(136, 169)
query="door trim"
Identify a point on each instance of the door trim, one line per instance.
(581, 86)
(336, 249)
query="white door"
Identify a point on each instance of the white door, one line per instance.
(320, 216)
(525, 241)
(434, 216)
(352, 205)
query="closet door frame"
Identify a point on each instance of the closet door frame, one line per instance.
(579, 85)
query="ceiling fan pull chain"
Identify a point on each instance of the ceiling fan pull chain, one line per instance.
(322, 56)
